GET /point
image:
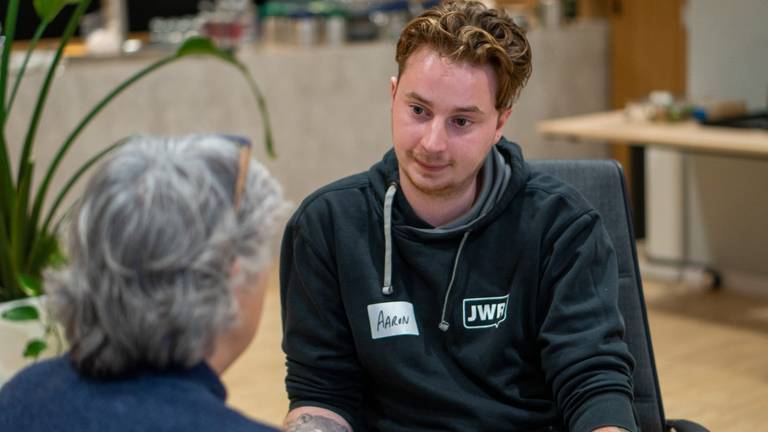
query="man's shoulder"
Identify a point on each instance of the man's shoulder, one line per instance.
(547, 190)
(347, 192)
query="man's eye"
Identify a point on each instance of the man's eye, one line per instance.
(417, 110)
(462, 122)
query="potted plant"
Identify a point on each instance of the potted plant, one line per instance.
(28, 228)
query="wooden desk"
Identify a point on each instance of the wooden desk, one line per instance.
(666, 180)
(686, 136)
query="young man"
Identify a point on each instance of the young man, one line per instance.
(449, 288)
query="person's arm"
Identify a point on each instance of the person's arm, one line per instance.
(586, 362)
(324, 376)
(315, 419)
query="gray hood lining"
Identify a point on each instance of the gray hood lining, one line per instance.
(495, 178)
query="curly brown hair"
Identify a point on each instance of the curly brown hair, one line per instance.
(468, 31)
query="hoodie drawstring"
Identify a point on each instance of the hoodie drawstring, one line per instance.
(443, 323)
(386, 288)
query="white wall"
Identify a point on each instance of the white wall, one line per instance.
(728, 59)
(329, 106)
(728, 50)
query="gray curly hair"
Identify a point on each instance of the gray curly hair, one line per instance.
(151, 245)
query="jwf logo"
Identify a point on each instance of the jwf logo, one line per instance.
(485, 312)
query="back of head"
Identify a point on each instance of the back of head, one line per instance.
(151, 247)
(467, 31)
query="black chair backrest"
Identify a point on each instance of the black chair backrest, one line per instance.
(601, 182)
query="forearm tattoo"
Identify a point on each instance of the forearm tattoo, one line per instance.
(314, 423)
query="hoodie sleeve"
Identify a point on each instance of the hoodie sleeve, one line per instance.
(322, 366)
(586, 362)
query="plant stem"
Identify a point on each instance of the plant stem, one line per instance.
(29, 235)
(33, 256)
(75, 177)
(19, 221)
(29, 140)
(262, 110)
(7, 268)
(32, 44)
(6, 179)
(10, 32)
(7, 193)
(43, 189)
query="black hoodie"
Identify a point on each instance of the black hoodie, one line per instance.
(507, 322)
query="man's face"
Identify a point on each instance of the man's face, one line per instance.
(444, 122)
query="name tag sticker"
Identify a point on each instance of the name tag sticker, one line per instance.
(392, 319)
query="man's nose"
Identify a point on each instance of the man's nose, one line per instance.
(434, 139)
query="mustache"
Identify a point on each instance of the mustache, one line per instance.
(431, 158)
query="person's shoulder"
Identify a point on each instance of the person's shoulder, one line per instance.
(241, 423)
(34, 392)
(52, 393)
(345, 193)
(183, 407)
(549, 191)
(348, 183)
(217, 417)
(167, 401)
(192, 399)
(40, 375)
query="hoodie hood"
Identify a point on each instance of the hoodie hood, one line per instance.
(504, 165)
(504, 172)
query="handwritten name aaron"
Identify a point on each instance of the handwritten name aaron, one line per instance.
(388, 321)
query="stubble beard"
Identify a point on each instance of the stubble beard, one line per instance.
(441, 192)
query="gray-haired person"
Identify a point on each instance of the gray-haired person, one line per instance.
(169, 248)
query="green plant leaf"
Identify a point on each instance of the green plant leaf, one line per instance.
(47, 10)
(21, 313)
(8, 283)
(42, 97)
(46, 236)
(198, 45)
(46, 252)
(21, 230)
(20, 74)
(31, 285)
(6, 181)
(195, 45)
(34, 348)
(57, 259)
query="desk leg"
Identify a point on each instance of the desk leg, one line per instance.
(667, 219)
(664, 198)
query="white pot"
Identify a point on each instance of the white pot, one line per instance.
(14, 337)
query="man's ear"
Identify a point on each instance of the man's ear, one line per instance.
(501, 121)
(392, 87)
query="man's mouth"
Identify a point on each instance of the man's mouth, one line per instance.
(431, 166)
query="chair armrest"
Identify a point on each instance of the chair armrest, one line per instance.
(685, 426)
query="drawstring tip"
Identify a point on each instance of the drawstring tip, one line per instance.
(387, 290)
(444, 325)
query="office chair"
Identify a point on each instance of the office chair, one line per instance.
(601, 182)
